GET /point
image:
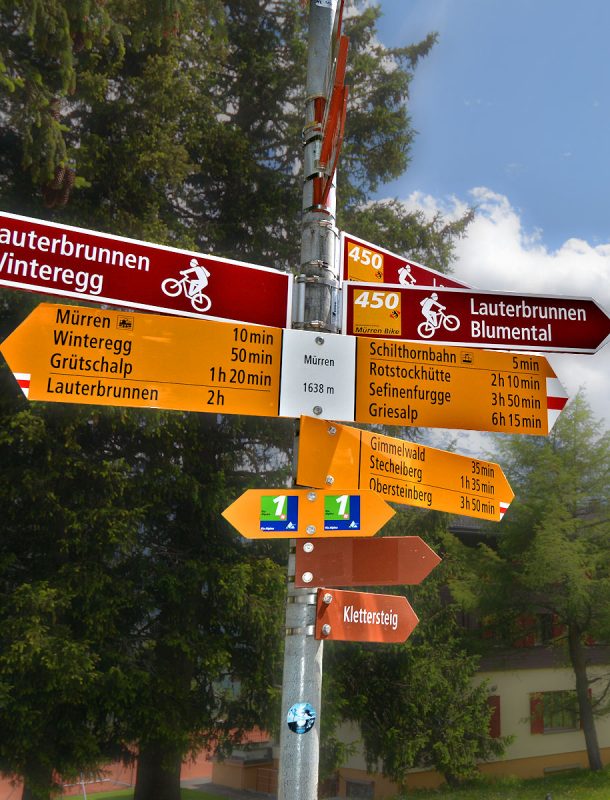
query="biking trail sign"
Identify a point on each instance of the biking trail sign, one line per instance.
(369, 263)
(88, 265)
(498, 320)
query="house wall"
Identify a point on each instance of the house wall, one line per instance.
(529, 755)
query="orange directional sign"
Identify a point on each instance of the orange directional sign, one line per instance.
(89, 355)
(367, 262)
(436, 386)
(360, 617)
(300, 513)
(383, 561)
(400, 471)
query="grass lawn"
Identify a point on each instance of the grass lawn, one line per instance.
(186, 794)
(576, 785)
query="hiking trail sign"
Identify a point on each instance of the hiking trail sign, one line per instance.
(79, 354)
(382, 561)
(74, 262)
(400, 471)
(75, 354)
(363, 617)
(496, 320)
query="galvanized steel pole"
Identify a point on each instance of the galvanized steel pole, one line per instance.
(316, 308)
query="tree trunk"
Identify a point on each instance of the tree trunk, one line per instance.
(158, 774)
(577, 657)
(38, 785)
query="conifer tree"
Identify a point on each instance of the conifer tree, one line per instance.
(177, 122)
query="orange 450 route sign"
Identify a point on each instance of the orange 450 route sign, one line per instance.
(400, 471)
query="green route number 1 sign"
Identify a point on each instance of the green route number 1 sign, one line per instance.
(280, 512)
(342, 512)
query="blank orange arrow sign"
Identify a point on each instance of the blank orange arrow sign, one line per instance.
(384, 561)
(299, 513)
(360, 617)
(400, 471)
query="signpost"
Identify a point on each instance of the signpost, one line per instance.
(77, 354)
(400, 471)
(478, 319)
(301, 513)
(360, 617)
(369, 263)
(88, 355)
(88, 265)
(383, 561)
(412, 383)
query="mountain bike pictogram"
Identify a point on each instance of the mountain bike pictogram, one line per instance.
(436, 318)
(191, 286)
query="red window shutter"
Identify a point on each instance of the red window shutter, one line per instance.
(536, 713)
(494, 719)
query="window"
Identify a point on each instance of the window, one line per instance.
(554, 712)
(360, 790)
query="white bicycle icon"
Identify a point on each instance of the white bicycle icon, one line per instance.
(427, 329)
(176, 286)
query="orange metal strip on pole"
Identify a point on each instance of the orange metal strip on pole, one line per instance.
(341, 61)
(335, 107)
(339, 145)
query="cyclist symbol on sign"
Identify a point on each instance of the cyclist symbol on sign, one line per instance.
(405, 278)
(435, 316)
(194, 280)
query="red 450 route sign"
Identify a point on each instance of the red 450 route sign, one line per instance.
(74, 262)
(497, 320)
(364, 261)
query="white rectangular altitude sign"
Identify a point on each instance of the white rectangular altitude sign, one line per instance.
(318, 375)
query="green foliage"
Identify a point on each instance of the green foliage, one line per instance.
(416, 704)
(179, 122)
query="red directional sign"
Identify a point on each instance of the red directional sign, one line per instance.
(74, 262)
(364, 261)
(497, 320)
(385, 561)
(360, 617)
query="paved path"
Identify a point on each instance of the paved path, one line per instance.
(207, 787)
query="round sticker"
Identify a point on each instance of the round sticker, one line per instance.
(301, 717)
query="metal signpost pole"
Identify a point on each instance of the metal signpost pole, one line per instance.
(315, 308)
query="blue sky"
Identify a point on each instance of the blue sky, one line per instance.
(515, 96)
(512, 109)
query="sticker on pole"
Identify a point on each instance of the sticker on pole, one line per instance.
(279, 512)
(301, 717)
(342, 512)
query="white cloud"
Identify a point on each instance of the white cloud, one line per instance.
(499, 254)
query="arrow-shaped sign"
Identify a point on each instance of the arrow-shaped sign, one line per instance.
(367, 262)
(412, 383)
(88, 265)
(300, 513)
(479, 319)
(89, 355)
(78, 354)
(383, 561)
(360, 617)
(402, 472)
